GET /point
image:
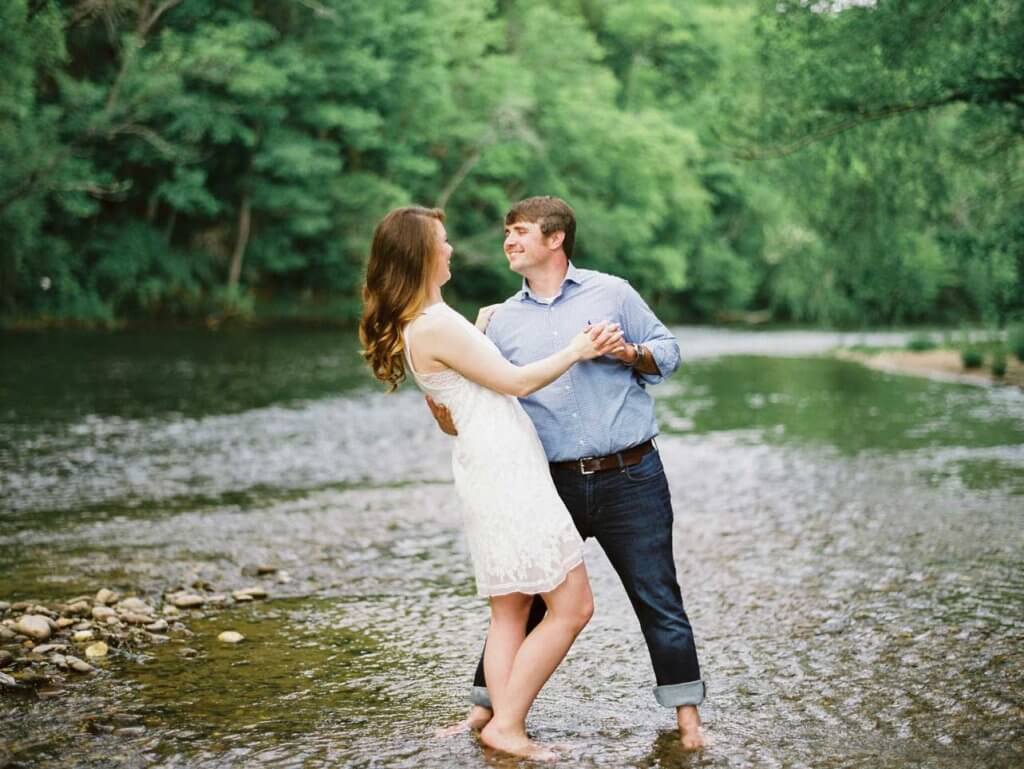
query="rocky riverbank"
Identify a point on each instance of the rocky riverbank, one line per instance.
(944, 364)
(42, 646)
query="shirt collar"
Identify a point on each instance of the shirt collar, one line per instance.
(572, 275)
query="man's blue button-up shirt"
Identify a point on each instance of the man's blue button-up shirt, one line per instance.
(600, 406)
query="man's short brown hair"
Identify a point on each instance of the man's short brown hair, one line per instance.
(551, 213)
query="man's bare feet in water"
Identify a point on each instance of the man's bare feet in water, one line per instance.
(515, 742)
(691, 735)
(475, 721)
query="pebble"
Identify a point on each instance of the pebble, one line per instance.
(186, 651)
(106, 596)
(4, 606)
(45, 648)
(98, 649)
(6, 658)
(78, 609)
(171, 611)
(6, 680)
(157, 627)
(103, 613)
(34, 626)
(230, 637)
(65, 622)
(136, 605)
(21, 605)
(82, 635)
(258, 570)
(6, 634)
(136, 619)
(79, 666)
(187, 600)
(248, 593)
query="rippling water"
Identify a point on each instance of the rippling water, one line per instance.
(849, 545)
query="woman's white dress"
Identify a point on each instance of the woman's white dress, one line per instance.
(521, 536)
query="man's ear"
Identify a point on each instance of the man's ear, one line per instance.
(556, 239)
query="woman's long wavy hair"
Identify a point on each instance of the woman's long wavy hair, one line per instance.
(405, 245)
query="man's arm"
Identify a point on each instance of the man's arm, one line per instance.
(658, 349)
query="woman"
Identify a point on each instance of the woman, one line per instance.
(522, 538)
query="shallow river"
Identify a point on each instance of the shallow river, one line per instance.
(849, 545)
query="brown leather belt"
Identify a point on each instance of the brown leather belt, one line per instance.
(591, 465)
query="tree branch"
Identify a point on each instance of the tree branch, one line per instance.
(859, 119)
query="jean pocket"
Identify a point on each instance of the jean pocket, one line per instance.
(647, 468)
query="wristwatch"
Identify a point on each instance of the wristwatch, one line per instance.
(639, 352)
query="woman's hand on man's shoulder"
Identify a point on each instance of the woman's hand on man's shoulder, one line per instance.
(483, 318)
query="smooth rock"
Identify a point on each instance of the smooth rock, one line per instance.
(82, 635)
(6, 634)
(98, 649)
(4, 606)
(187, 600)
(65, 622)
(43, 610)
(34, 626)
(217, 599)
(6, 658)
(113, 620)
(20, 605)
(230, 637)
(59, 660)
(79, 666)
(77, 609)
(136, 605)
(284, 577)
(250, 592)
(136, 619)
(242, 597)
(6, 680)
(170, 611)
(103, 613)
(105, 596)
(157, 627)
(46, 648)
(186, 651)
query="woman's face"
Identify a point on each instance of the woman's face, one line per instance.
(443, 257)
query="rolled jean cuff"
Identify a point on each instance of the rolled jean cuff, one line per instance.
(674, 695)
(479, 696)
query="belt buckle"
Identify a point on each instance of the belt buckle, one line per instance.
(583, 470)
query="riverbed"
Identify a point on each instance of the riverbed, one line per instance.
(848, 543)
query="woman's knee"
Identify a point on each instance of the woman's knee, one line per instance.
(576, 609)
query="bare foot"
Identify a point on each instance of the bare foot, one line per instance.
(691, 735)
(475, 720)
(515, 743)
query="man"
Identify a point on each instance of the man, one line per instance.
(597, 424)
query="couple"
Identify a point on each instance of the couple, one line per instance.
(554, 444)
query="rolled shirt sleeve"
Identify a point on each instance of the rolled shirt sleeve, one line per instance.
(642, 326)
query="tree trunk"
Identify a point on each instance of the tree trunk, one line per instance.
(241, 241)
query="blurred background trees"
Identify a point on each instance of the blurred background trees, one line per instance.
(846, 163)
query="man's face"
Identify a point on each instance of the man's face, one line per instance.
(526, 247)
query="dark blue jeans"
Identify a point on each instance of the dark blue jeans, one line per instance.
(629, 513)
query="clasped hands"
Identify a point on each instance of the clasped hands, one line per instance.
(606, 337)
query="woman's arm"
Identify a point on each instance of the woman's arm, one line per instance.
(448, 341)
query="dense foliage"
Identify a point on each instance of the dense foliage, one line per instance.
(836, 162)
